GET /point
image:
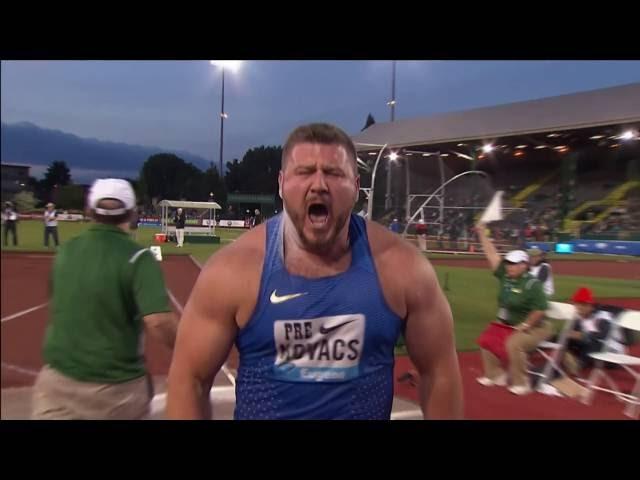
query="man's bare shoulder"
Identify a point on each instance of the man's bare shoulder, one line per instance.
(392, 251)
(402, 270)
(245, 254)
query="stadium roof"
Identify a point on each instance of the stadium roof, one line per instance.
(14, 165)
(607, 106)
(179, 204)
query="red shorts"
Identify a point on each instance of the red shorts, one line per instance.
(494, 339)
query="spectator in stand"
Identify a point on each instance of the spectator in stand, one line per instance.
(515, 233)
(538, 233)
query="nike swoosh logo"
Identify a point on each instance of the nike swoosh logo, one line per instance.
(326, 330)
(276, 299)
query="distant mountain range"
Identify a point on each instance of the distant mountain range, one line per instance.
(88, 158)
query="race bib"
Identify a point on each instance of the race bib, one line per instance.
(325, 349)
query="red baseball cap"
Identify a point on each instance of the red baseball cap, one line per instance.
(583, 295)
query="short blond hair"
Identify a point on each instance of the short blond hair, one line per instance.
(322, 133)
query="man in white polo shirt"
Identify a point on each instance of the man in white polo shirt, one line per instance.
(50, 224)
(10, 218)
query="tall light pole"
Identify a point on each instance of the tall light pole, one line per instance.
(232, 65)
(392, 104)
(222, 117)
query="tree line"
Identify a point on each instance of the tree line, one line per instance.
(167, 176)
(164, 176)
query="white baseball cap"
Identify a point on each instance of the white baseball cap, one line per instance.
(112, 188)
(517, 256)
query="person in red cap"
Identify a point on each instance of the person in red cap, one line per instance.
(589, 333)
(583, 298)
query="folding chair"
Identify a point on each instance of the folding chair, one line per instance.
(557, 311)
(629, 319)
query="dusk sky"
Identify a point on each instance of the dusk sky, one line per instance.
(176, 104)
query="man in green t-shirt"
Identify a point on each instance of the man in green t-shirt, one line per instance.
(106, 291)
(521, 305)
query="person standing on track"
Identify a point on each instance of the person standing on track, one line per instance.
(180, 219)
(50, 225)
(314, 301)
(522, 304)
(421, 233)
(257, 218)
(106, 291)
(10, 220)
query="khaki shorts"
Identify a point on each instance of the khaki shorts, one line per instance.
(58, 397)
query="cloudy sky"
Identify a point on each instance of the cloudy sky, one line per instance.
(176, 104)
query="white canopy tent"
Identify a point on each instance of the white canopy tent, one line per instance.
(167, 204)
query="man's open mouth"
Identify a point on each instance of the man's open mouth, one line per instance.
(318, 213)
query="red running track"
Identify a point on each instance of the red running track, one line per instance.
(24, 285)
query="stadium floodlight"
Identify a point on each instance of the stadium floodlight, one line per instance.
(462, 155)
(231, 65)
(628, 135)
(596, 137)
(488, 148)
(521, 147)
(393, 156)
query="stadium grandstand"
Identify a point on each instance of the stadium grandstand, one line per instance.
(569, 167)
